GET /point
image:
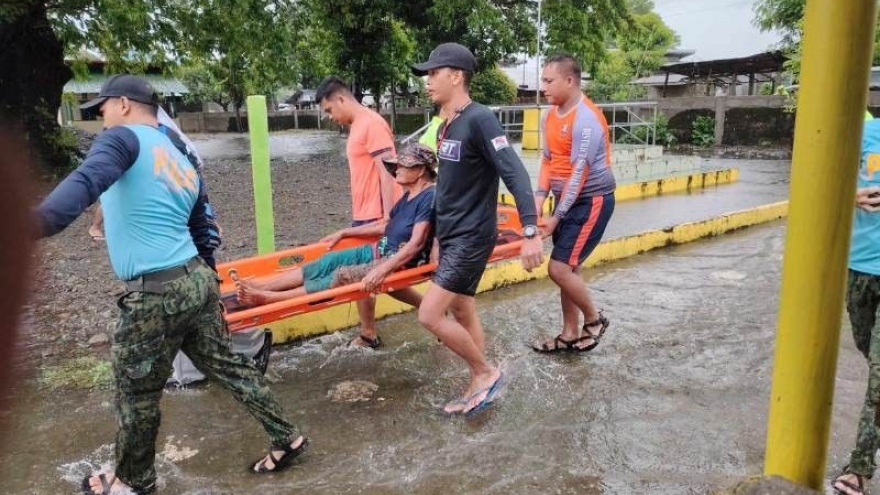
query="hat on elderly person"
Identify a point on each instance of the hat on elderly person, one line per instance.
(132, 87)
(413, 155)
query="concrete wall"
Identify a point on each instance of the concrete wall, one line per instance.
(406, 121)
(739, 120)
(96, 126)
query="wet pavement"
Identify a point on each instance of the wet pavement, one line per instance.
(760, 182)
(673, 401)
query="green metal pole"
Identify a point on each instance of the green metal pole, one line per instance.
(258, 127)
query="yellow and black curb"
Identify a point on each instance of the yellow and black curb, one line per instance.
(684, 183)
(511, 272)
(657, 187)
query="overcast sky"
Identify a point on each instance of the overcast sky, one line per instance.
(715, 28)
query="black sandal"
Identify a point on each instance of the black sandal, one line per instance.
(281, 463)
(371, 343)
(105, 485)
(601, 320)
(859, 489)
(566, 345)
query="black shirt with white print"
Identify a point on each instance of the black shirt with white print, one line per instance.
(474, 152)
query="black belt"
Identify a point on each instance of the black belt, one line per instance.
(155, 281)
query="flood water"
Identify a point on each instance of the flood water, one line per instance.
(673, 401)
(281, 144)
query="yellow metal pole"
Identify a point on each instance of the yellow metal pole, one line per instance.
(836, 60)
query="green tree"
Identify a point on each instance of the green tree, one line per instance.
(783, 16)
(203, 85)
(640, 6)
(612, 81)
(32, 79)
(493, 87)
(640, 49)
(253, 40)
(787, 18)
(365, 43)
(374, 43)
(317, 49)
(583, 28)
(645, 42)
(233, 48)
(491, 29)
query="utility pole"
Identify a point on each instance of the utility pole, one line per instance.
(538, 61)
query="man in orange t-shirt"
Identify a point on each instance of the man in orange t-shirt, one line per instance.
(576, 168)
(373, 191)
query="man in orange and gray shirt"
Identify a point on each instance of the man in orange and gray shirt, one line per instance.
(576, 168)
(373, 191)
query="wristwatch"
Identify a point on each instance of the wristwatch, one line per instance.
(529, 231)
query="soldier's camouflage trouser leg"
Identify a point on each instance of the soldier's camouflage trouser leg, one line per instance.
(151, 329)
(862, 299)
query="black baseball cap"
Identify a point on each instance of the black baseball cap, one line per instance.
(447, 55)
(132, 87)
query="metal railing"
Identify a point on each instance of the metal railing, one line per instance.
(626, 118)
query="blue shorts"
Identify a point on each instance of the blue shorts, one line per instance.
(578, 234)
(318, 275)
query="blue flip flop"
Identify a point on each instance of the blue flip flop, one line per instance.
(491, 392)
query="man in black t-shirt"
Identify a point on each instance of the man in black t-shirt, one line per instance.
(473, 152)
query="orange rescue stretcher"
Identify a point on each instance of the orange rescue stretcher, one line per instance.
(239, 318)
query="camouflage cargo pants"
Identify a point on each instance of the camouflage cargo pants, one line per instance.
(862, 300)
(151, 329)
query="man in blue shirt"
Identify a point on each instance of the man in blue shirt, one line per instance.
(150, 191)
(862, 300)
(405, 243)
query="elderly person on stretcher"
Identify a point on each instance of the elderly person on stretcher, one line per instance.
(405, 243)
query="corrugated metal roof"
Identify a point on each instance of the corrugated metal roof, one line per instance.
(761, 63)
(660, 79)
(92, 84)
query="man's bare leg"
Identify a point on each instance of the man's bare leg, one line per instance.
(251, 296)
(575, 291)
(407, 295)
(464, 310)
(366, 309)
(96, 229)
(570, 316)
(571, 282)
(575, 300)
(459, 340)
(283, 281)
